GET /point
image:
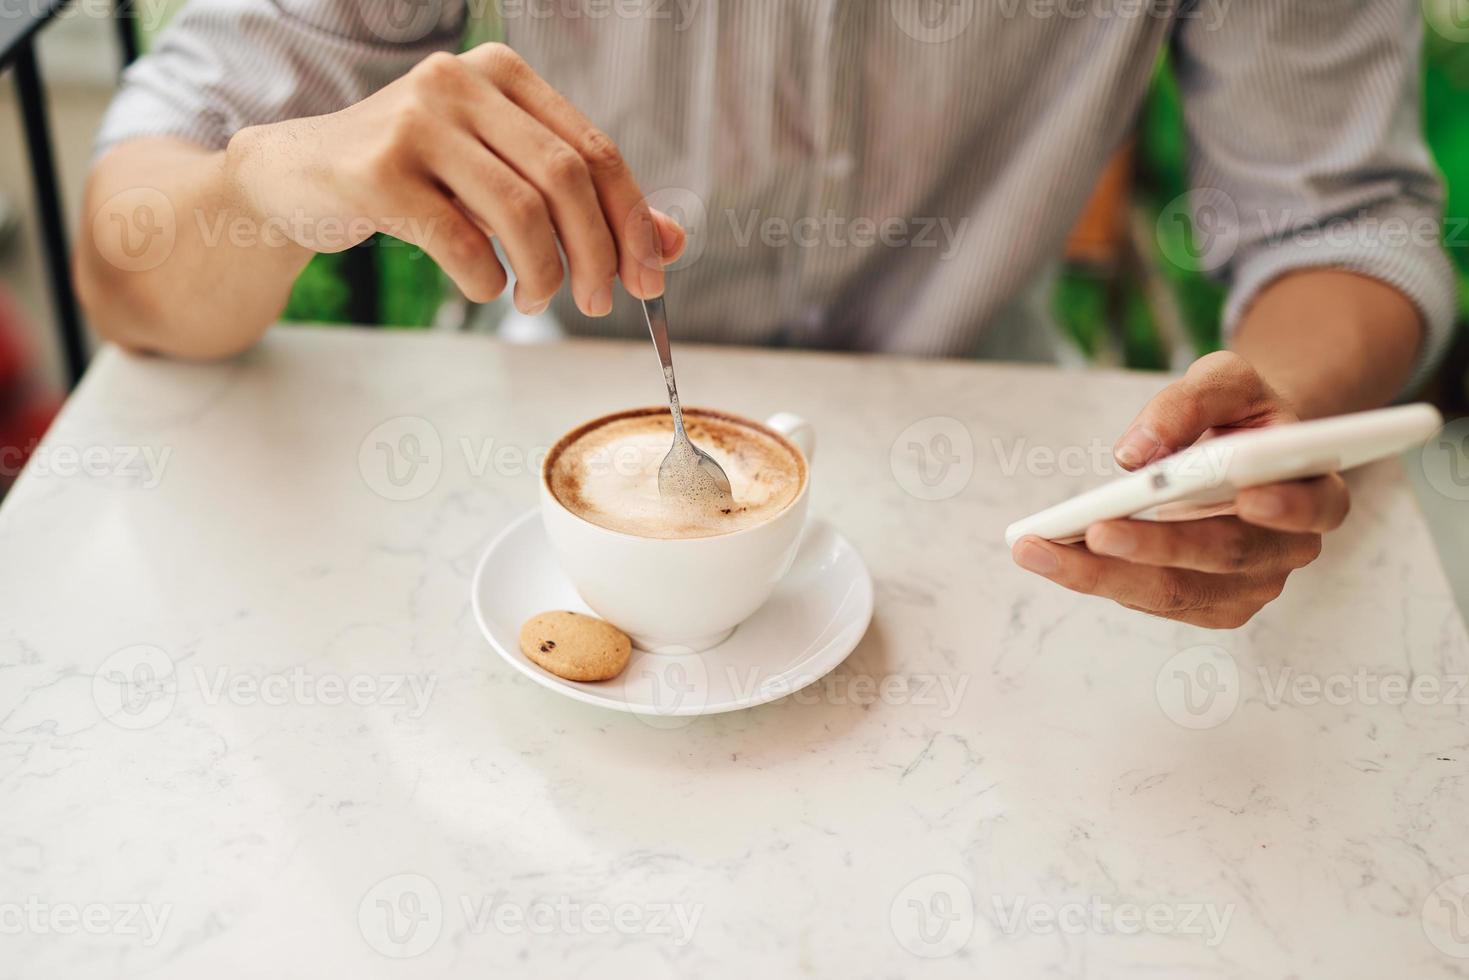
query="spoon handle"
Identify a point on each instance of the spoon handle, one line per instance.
(658, 326)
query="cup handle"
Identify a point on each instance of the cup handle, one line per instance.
(797, 430)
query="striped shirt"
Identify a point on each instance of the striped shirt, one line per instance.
(886, 175)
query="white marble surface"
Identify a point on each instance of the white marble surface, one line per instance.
(996, 755)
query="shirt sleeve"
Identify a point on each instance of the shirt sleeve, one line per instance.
(1307, 150)
(223, 65)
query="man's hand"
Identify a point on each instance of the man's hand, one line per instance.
(1217, 571)
(192, 252)
(459, 149)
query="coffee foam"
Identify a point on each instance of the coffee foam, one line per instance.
(608, 474)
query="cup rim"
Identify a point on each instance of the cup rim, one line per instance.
(576, 432)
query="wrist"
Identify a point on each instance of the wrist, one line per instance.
(1331, 341)
(247, 210)
(242, 165)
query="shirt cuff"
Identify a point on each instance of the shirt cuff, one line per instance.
(1418, 269)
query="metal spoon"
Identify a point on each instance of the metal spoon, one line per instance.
(687, 471)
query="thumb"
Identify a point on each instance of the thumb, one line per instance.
(1220, 389)
(671, 236)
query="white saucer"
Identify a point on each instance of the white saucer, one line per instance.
(815, 617)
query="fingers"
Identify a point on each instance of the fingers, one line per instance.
(511, 207)
(1213, 601)
(564, 182)
(639, 242)
(1220, 545)
(1219, 389)
(459, 247)
(1313, 506)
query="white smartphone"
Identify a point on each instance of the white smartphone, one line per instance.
(1204, 479)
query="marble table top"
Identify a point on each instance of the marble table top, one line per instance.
(248, 726)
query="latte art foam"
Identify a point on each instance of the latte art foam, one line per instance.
(608, 475)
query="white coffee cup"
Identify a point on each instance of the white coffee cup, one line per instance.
(680, 594)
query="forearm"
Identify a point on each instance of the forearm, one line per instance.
(171, 258)
(1331, 341)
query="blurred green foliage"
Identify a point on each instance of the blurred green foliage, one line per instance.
(1446, 124)
(1082, 295)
